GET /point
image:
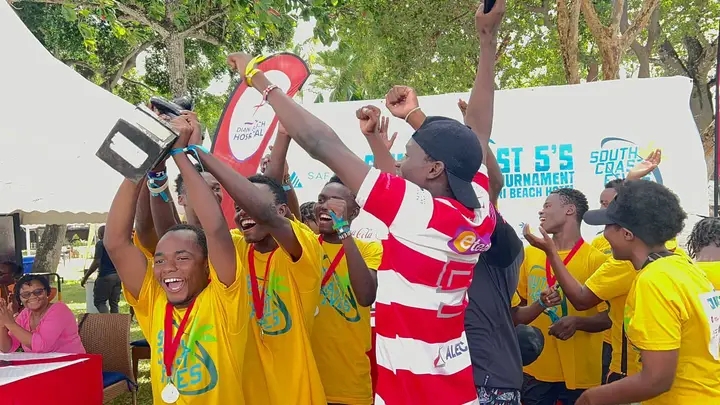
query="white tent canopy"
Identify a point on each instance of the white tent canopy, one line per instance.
(53, 121)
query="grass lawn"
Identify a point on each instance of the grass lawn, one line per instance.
(74, 297)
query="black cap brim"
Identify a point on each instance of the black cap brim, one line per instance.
(463, 191)
(598, 217)
(531, 342)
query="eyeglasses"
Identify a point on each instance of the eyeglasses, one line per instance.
(38, 293)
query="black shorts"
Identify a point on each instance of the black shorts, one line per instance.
(606, 359)
(536, 392)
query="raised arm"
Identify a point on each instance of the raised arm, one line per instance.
(375, 129)
(258, 205)
(221, 250)
(480, 108)
(277, 168)
(312, 134)
(129, 261)
(144, 225)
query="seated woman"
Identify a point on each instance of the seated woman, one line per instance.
(42, 326)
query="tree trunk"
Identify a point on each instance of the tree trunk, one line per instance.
(568, 21)
(47, 254)
(611, 39)
(175, 46)
(697, 66)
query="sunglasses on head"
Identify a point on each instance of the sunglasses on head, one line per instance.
(37, 292)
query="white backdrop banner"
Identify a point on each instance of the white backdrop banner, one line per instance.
(578, 136)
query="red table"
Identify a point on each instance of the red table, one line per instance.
(71, 379)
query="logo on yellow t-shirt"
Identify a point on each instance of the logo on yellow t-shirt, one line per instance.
(337, 293)
(194, 371)
(276, 319)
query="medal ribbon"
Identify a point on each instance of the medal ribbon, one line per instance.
(258, 300)
(549, 275)
(551, 280)
(336, 261)
(171, 344)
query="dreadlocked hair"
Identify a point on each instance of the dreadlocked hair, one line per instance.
(704, 233)
(307, 211)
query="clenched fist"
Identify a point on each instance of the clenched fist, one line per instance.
(401, 100)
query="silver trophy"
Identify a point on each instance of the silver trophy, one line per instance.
(136, 144)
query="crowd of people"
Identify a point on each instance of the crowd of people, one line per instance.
(277, 310)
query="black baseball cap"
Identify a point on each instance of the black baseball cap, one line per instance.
(531, 341)
(456, 145)
(606, 216)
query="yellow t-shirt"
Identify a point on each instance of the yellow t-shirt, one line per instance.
(570, 360)
(611, 283)
(670, 308)
(602, 244)
(515, 301)
(712, 270)
(209, 361)
(280, 367)
(341, 335)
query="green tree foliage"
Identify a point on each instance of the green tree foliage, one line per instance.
(186, 41)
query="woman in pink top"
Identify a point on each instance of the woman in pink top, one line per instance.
(42, 326)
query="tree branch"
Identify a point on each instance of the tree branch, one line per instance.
(203, 36)
(597, 29)
(641, 21)
(133, 13)
(139, 83)
(188, 32)
(127, 64)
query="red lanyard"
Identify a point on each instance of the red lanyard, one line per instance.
(258, 300)
(549, 275)
(172, 344)
(336, 261)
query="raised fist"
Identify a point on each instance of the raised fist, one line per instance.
(337, 206)
(369, 117)
(238, 61)
(401, 100)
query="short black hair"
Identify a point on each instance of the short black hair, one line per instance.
(199, 235)
(651, 211)
(614, 183)
(180, 183)
(335, 179)
(275, 187)
(307, 211)
(29, 278)
(704, 234)
(574, 197)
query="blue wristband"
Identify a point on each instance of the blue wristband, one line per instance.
(286, 187)
(177, 151)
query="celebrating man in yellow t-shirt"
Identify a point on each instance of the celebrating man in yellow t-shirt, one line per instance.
(571, 358)
(341, 336)
(672, 314)
(187, 298)
(283, 260)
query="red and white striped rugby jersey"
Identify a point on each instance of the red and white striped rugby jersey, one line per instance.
(428, 259)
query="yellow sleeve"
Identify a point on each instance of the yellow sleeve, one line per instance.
(372, 253)
(239, 273)
(656, 323)
(522, 288)
(613, 279)
(143, 305)
(515, 300)
(307, 270)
